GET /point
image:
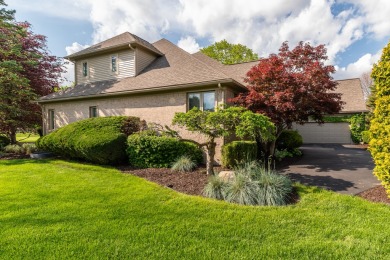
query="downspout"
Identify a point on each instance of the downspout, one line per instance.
(222, 93)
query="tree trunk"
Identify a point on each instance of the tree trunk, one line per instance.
(210, 157)
(12, 136)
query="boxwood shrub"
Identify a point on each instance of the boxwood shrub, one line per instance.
(97, 140)
(237, 152)
(145, 151)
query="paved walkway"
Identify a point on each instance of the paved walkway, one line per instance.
(345, 169)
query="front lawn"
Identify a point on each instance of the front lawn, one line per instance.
(53, 209)
(26, 137)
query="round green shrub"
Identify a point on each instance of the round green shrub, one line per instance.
(4, 141)
(159, 151)
(98, 140)
(289, 139)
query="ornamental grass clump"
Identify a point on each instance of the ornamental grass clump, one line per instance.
(215, 188)
(252, 184)
(14, 148)
(184, 164)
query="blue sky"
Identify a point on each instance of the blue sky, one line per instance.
(354, 31)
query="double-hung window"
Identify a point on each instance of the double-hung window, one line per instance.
(205, 101)
(85, 69)
(93, 111)
(114, 63)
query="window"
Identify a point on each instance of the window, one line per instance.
(114, 66)
(85, 69)
(203, 100)
(93, 112)
(51, 119)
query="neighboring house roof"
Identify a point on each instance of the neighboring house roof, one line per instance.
(120, 41)
(351, 95)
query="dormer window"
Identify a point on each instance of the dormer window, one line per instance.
(114, 64)
(85, 69)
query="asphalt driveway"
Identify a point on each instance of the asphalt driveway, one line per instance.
(345, 169)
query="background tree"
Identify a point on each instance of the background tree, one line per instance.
(367, 83)
(224, 122)
(27, 71)
(228, 53)
(380, 124)
(291, 86)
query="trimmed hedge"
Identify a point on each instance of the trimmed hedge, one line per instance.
(237, 152)
(97, 140)
(4, 141)
(289, 139)
(159, 152)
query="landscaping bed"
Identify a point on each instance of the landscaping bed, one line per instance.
(376, 194)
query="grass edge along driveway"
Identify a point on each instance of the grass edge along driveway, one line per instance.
(57, 209)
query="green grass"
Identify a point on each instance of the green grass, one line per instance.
(52, 209)
(26, 137)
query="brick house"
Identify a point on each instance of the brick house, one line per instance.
(126, 75)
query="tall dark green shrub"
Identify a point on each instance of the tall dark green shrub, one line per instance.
(289, 139)
(158, 151)
(237, 152)
(97, 140)
(4, 141)
(357, 125)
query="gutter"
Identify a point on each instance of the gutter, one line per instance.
(136, 91)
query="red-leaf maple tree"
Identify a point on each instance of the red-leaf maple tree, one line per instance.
(291, 86)
(27, 71)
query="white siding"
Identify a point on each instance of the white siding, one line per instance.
(144, 58)
(99, 67)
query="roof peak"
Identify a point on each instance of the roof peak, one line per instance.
(119, 41)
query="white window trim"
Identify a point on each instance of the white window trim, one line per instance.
(201, 98)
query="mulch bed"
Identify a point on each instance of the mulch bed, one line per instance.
(11, 156)
(376, 194)
(190, 183)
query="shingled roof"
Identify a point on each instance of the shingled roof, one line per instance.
(121, 40)
(352, 95)
(176, 69)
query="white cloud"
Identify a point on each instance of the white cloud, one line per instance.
(375, 15)
(75, 47)
(70, 9)
(69, 74)
(188, 44)
(148, 19)
(357, 68)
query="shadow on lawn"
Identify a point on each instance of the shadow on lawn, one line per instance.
(325, 182)
(13, 162)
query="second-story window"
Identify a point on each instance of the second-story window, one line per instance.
(114, 63)
(85, 69)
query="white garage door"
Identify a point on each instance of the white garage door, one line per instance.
(331, 133)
